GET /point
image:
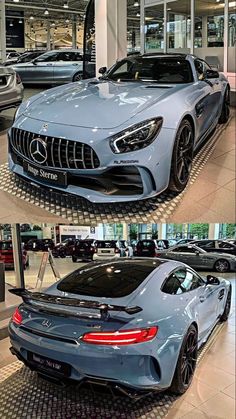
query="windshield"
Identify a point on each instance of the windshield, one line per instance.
(152, 69)
(111, 280)
(5, 245)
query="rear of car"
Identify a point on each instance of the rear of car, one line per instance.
(6, 255)
(147, 248)
(11, 89)
(107, 249)
(98, 332)
(83, 250)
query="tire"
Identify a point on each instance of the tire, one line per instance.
(225, 112)
(226, 311)
(78, 76)
(186, 363)
(182, 157)
(74, 258)
(222, 265)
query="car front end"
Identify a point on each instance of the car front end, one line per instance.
(11, 89)
(63, 139)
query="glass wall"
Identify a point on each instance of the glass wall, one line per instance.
(232, 38)
(178, 26)
(154, 28)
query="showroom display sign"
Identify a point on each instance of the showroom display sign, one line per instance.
(80, 232)
(15, 29)
(89, 38)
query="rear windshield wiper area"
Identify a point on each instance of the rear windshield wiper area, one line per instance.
(35, 298)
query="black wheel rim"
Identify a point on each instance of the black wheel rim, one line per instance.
(184, 154)
(189, 359)
(222, 266)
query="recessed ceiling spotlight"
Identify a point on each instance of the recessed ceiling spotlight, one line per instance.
(66, 5)
(46, 12)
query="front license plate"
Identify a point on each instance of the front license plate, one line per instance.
(54, 177)
(50, 364)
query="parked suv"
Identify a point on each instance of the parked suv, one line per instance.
(83, 250)
(66, 248)
(150, 247)
(6, 255)
(107, 249)
(219, 246)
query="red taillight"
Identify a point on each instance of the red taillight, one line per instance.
(117, 251)
(18, 79)
(17, 317)
(126, 337)
(95, 250)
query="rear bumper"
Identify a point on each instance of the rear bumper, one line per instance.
(12, 98)
(106, 257)
(129, 368)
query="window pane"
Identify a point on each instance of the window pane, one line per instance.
(232, 39)
(178, 26)
(154, 28)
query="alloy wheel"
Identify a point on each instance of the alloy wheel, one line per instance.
(184, 155)
(78, 77)
(189, 358)
(222, 265)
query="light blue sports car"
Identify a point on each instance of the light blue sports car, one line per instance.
(134, 324)
(126, 136)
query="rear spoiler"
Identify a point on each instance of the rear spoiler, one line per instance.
(38, 297)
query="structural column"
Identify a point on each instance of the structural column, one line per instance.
(213, 232)
(74, 33)
(48, 35)
(2, 31)
(17, 253)
(162, 231)
(111, 31)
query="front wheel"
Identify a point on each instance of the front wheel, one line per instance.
(226, 311)
(225, 112)
(182, 157)
(222, 265)
(186, 363)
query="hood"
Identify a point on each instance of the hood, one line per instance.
(96, 104)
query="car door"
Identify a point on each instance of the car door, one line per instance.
(207, 107)
(41, 69)
(67, 64)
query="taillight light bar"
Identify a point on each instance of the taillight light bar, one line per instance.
(17, 317)
(126, 337)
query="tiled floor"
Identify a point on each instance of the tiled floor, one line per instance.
(209, 199)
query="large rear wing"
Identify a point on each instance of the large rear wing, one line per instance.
(37, 297)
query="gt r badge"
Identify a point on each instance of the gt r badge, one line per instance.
(126, 161)
(38, 150)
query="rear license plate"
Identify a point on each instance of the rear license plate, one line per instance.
(50, 364)
(54, 177)
(105, 251)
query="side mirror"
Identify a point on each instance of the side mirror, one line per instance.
(102, 70)
(212, 280)
(34, 62)
(197, 252)
(211, 74)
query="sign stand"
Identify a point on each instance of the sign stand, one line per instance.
(46, 258)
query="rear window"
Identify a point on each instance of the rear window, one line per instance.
(110, 280)
(106, 244)
(5, 246)
(146, 244)
(84, 244)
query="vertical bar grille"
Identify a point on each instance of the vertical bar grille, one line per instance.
(61, 153)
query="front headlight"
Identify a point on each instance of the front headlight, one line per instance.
(136, 137)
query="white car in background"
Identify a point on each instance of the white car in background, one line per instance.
(11, 88)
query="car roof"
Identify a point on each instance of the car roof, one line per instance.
(164, 54)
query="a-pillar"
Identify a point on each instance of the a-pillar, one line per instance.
(3, 31)
(74, 32)
(213, 232)
(162, 231)
(111, 31)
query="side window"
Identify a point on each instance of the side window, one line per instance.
(47, 57)
(184, 249)
(199, 65)
(209, 244)
(224, 245)
(180, 281)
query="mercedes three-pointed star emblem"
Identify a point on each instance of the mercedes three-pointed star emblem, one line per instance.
(38, 150)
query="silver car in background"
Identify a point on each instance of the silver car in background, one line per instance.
(54, 67)
(198, 258)
(11, 88)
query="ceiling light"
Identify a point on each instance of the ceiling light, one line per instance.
(16, 1)
(46, 12)
(138, 14)
(20, 21)
(11, 24)
(217, 1)
(67, 20)
(31, 17)
(168, 9)
(53, 24)
(136, 4)
(66, 5)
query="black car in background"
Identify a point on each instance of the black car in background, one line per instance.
(83, 250)
(64, 249)
(150, 247)
(219, 246)
(40, 245)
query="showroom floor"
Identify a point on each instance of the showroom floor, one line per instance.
(208, 198)
(211, 395)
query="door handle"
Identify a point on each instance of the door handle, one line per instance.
(49, 65)
(202, 298)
